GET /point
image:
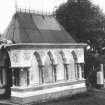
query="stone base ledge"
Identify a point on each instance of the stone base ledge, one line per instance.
(47, 93)
(46, 86)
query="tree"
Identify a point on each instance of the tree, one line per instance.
(84, 21)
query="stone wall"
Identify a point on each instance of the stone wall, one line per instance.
(40, 63)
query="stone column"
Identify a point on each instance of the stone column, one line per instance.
(75, 70)
(82, 70)
(66, 75)
(23, 77)
(41, 78)
(100, 78)
(4, 76)
(28, 81)
(1, 77)
(13, 78)
(54, 73)
(65, 78)
(102, 70)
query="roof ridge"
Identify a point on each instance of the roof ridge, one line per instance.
(37, 12)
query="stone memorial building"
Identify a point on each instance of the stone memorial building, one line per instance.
(44, 61)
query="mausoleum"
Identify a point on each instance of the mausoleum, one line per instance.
(45, 62)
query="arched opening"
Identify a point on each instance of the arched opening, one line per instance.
(40, 66)
(48, 71)
(34, 70)
(5, 73)
(20, 77)
(53, 64)
(38, 58)
(65, 65)
(74, 56)
(70, 66)
(77, 73)
(60, 66)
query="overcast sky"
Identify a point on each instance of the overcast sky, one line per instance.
(7, 8)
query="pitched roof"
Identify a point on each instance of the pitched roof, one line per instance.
(35, 28)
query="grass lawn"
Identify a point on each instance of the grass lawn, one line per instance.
(92, 97)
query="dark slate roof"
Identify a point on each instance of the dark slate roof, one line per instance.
(35, 28)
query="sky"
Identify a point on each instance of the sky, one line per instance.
(7, 8)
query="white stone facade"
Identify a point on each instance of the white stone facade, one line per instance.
(46, 67)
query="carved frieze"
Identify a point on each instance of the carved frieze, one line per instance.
(22, 58)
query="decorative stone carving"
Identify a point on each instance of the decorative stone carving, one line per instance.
(20, 58)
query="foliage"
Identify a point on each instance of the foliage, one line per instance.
(84, 21)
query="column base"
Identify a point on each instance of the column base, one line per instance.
(99, 86)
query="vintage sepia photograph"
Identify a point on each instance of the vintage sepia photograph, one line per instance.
(52, 52)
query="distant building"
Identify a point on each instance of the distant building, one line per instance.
(45, 61)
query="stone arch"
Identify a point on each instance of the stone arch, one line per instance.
(63, 56)
(39, 60)
(34, 69)
(54, 65)
(40, 66)
(51, 57)
(60, 65)
(48, 72)
(66, 76)
(74, 56)
(75, 64)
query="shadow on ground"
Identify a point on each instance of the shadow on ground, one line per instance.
(91, 97)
